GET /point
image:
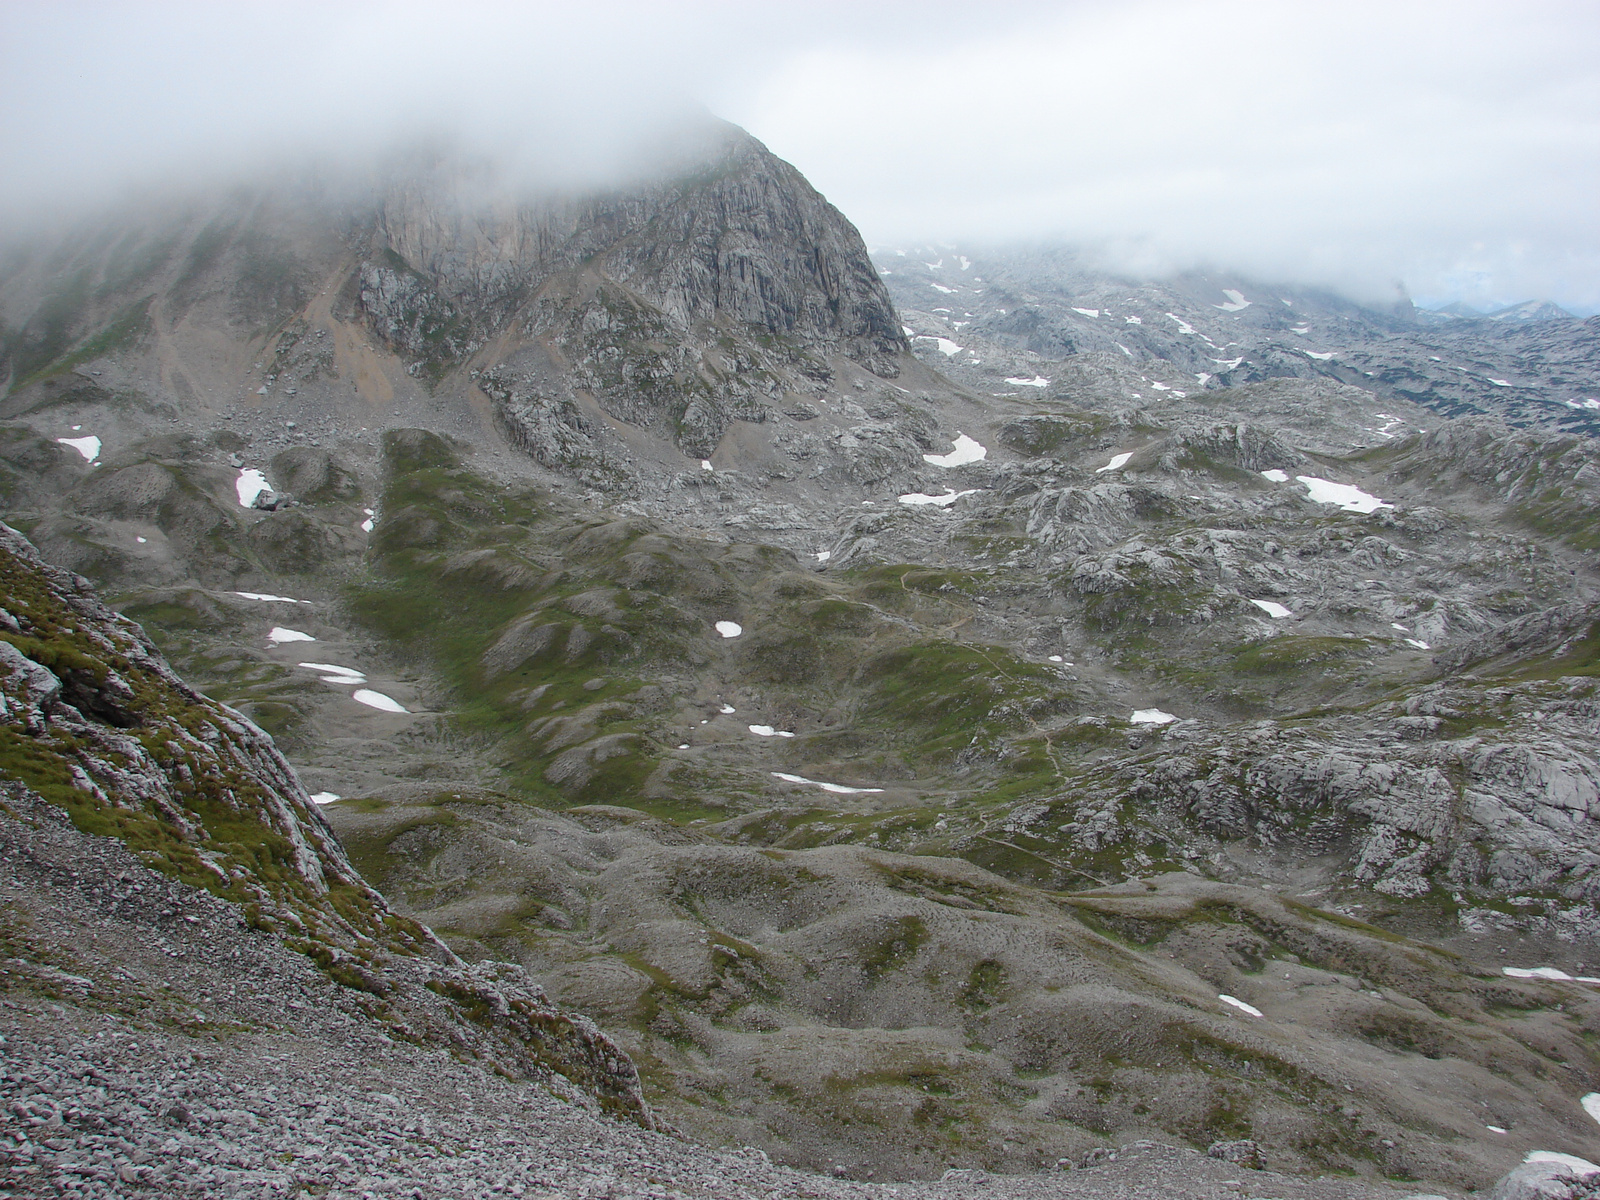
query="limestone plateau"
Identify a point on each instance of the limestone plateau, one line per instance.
(511, 691)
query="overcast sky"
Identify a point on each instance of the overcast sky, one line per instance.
(1451, 146)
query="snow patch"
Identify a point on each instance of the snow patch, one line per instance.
(729, 629)
(1500, 382)
(1183, 326)
(280, 635)
(939, 287)
(366, 526)
(1228, 364)
(1275, 611)
(1315, 355)
(1236, 301)
(944, 501)
(726, 708)
(1037, 381)
(947, 348)
(705, 465)
(334, 673)
(1547, 973)
(1055, 658)
(1203, 376)
(1420, 645)
(1151, 716)
(1581, 1165)
(824, 555)
(275, 599)
(1591, 1105)
(1088, 312)
(1346, 495)
(1123, 348)
(1118, 461)
(324, 797)
(837, 788)
(1275, 475)
(89, 446)
(1133, 320)
(966, 451)
(250, 484)
(378, 700)
(769, 731)
(1234, 1000)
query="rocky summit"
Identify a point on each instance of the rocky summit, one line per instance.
(509, 690)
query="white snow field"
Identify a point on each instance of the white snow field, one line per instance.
(729, 629)
(250, 484)
(1151, 716)
(944, 501)
(378, 700)
(89, 446)
(281, 636)
(333, 673)
(1547, 973)
(1581, 1165)
(1273, 610)
(837, 788)
(1118, 461)
(1240, 1005)
(966, 451)
(1346, 495)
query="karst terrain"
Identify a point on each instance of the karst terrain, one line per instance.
(507, 688)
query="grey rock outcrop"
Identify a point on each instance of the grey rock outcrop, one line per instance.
(1546, 1181)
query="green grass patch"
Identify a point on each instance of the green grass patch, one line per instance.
(1279, 655)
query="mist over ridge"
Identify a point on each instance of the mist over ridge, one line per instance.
(1455, 152)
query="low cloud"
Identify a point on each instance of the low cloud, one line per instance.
(1454, 147)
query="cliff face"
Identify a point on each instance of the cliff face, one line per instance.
(676, 303)
(737, 239)
(678, 306)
